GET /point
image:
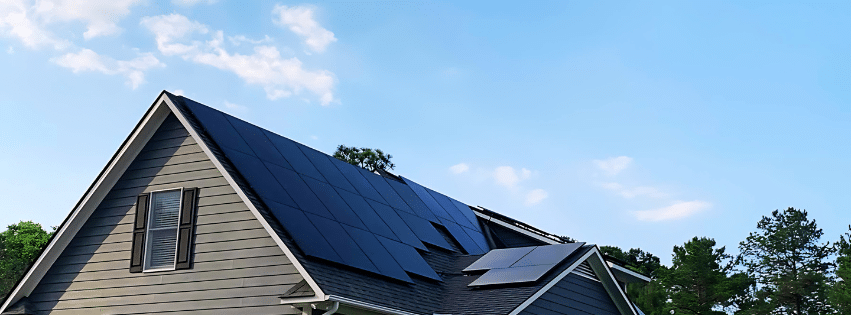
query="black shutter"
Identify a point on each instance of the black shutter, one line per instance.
(138, 250)
(186, 229)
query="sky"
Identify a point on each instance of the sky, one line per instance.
(637, 125)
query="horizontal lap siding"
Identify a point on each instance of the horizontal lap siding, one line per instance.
(574, 295)
(238, 268)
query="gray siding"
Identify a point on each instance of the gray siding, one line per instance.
(574, 295)
(238, 268)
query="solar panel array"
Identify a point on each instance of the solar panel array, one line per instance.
(519, 265)
(339, 212)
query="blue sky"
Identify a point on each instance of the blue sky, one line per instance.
(627, 124)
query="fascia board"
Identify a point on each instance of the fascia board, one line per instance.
(125, 155)
(194, 133)
(626, 275)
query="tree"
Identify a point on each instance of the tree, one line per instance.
(20, 245)
(367, 158)
(649, 297)
(840, 291)
(698, 282)
(789, 264)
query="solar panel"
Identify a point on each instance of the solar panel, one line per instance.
(478, 238)
(424, 230)
(390, 195)
(427, 199)
(367, 215)
(414, 201)
(379, 255)
(461, 236)
(548, 255)
(356, 179)
(399, 227)
(215, 123)
(499, 258)
(342, 243)
(327, 169)
(450, 208)
(259, 143)
(289, 149)
(334, 203)
(512, 275)
(467, 212)
(303, 196)
(258, 177)
(409, 258)
(308, 238)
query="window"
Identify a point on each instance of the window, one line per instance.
(163, 221)
(163, 230)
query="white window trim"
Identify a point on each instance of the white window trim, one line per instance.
(146, 249)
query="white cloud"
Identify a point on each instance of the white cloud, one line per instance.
(506, 176)
(235, 107)
(239, 39)
(88, 60)
(101, 16)
(459, 168)
(178, 92)
(280, 77)
(299, 19)
(634, 191)
(189, 3)
(678, 210)
(535, 196)
(17, 19)
(613, 166)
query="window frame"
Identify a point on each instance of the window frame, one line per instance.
(146, 247)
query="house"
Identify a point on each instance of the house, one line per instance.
(202, 213)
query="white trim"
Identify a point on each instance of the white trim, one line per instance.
(552, 283)
(628, 272)
(147, 250)
(367, 306)
(593, 257)
(609, 283)
(516, 229)
(90, 200)
(316, 290)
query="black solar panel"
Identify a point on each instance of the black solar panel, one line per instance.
(414, 201)
(215, 123)
(454, 213)
(499, 258)
(342, 243)
(468, 213)
(289, 149)
(258, 177)
(426, 197)
(303, 196)
(259, 143)
(517, 265)
(387, 192)
(355, 178)
(461, 236)
(478, 238)
(424, 230)
(512, 275)
(379, 255)
(367, 215)
(548, 255)
(399, 227)
(309, 239)
(334, 203)
(327, 169)
(409, 259)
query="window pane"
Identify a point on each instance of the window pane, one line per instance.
(165, 209)
(162, 244)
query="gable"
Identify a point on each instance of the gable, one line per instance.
(237, 264)
(576, 294)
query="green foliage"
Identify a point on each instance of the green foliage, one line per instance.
(840, 292)
(20, 245)
(698, 281)
(367, 158)
(649, 297)
(789, 264)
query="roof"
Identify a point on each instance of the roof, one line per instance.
(407, 244)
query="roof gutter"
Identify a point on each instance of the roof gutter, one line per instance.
(339, 300)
